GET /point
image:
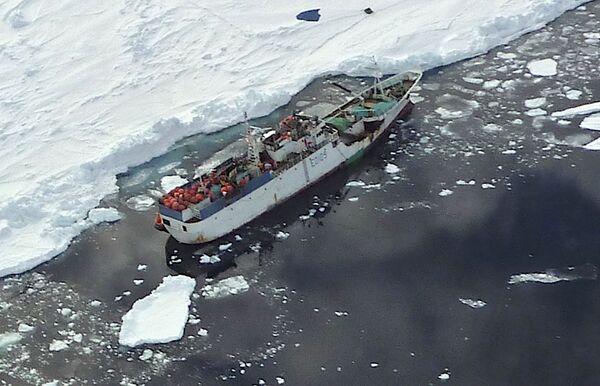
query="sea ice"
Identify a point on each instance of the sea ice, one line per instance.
(536, 112)
(535, 102)
(281, 235)
(146, 354)
(473, 303)
(355, 183)
(488, 186)
(100, 215)
(23, 327)
(445, 192)
(140, 203)
(58, 345)
(9, 338)
(224, 247)
(583, 272)
(230, 286)
(544, 67)
(444, 376)
(63, 145)
(161, 316)
(391, 169)
(588, 108)
(168, 183)
(592, 122)
(209, 259)
(573, 94)
(489, 84)
(594, 145)
(142, 267)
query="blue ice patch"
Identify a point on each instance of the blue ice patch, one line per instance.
(310, 15)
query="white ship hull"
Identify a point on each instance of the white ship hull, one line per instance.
(281, 187)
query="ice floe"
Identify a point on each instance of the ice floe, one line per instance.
(224, 247)
(230, 286)
(588, 108)
(100, 215)
(544, 67)
(591, 123)
(536, 112)
(535, 102)
(583, 272)
(445, 192)
(140, 203)
(355, 184)
(209, 259)
(488, 186)
(594, 145)
(391, 169)
(58, 345)
(161, 316)
(8, 339)
(472, 303)
(281, 235)
(573, 94)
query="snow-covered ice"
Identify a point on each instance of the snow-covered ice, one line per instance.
(168, 183)
(445, 192)
(594, 145)
(587, 108)
(140, 203)
(71, 119)
(391, 169)
(224, 247)
(583, 272)
(535, 102)
(281, 235)
(58, 345)
(472, 303)
(161, 316)
(230, 286)
(573, 94)
(536, 112)
(543, 67)
(209, 259)
(592, 122)
(100, 215)
(9, 338)
(24, 327)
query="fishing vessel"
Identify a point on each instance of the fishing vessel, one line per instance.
(282, 161)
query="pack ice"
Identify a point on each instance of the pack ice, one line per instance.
(161, 316)
(90, 88)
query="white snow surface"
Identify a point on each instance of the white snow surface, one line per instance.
(100, 215)
(91, 88)
(544, 67)
(594, 145)
(161, 316)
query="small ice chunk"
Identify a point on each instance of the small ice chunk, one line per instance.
(391, 169)
(445, 192)
(488, 186)
(9, 338)
(65, 311)
(209, 259)
(544, 67)
(100, 215)
(24, 327)
(280, 380)
(535, 102)
(573, 94)
(591, 123)
(583, 272)
(77, 338)
(509, 151)
(473, 303)
(491, 128)
(444, 376)
(161, 316)
(58, 345)
(140, 203)
(224, 247)
(463, 182)
(355, 183)
(230, 286)
(353, 199)
(281, 235)
(169, 183)
(203, 332)
(506, 55)
(142, 267)
(147, 354)
(472, 80)
(138, 281)
(374, 365)
(238, 238)
(489, 84)
(536, 112)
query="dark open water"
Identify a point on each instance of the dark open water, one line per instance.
(367, 291)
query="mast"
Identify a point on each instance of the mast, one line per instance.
(253, 149)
